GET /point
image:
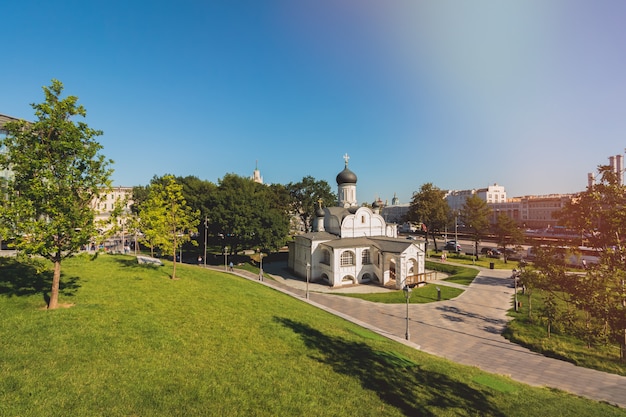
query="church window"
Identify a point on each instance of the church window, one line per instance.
(325, 257)
(362, 219)
(347, 258)
(365, 256)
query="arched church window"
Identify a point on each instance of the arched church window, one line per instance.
(347, 258)
(365, 256)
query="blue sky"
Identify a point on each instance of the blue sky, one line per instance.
(529, 94)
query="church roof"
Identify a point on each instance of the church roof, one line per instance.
(339, 212)
(318, 236)
(4, 119)
(346, 177)
(349, 242)
(392, 245)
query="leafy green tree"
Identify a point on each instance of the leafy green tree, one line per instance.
(248, 215)
(599, 214)
(58, 173)
(305, 195)
(429, 208)
(197, 193)
(140, 194)
(507, 232)
(475, 215)
(172, 220)
(151, 213)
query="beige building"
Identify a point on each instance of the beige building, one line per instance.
(5, 173)
(532, 211)
(492, 194)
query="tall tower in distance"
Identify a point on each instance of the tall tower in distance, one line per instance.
(617, 166)
(256, 175)
(616, 163)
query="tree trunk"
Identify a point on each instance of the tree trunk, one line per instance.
(54, 291)
(174, 259)
(434, 240)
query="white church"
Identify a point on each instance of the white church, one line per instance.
(354, 245)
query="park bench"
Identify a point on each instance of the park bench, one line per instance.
(149, 260)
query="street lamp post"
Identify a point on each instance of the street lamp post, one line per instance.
(260, 265)
(308, 271)
(407, 296)
(515, 286)
(456, 228)
(206, 220)
(226, 258)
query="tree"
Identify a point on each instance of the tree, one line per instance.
(171, 221)
(507, 232)
(58, 172)
(245, 214)
(197, 193)
(599, 214)
(305, 195)
(429, 208)
(150, 213)
(475, 215)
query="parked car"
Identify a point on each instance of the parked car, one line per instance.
(511, 254)
(452, 246)
(490, 252)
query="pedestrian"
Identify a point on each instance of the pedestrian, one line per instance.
(199, 260)
(230, 266)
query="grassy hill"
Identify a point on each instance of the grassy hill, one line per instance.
(132, 342)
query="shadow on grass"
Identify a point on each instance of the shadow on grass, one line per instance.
(20, 278)
(398, 381)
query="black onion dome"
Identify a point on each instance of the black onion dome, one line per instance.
(346, 177)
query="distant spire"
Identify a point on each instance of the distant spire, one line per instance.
(256, 176)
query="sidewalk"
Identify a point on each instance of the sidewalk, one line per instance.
(466, 330)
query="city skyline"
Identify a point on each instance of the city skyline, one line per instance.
(528, 95)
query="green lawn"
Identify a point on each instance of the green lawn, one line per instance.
(132, 342)
(482, 261)
(561, 344)
(427, 293)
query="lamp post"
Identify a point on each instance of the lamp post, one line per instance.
(206, 221)
(407, 296)
(515, 286)
(456, 228)
(308, 271)
(260, 265)
(225, 258)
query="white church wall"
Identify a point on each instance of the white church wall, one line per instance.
(363, 223)
(302, 255)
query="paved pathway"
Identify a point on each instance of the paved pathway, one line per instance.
(466, 330)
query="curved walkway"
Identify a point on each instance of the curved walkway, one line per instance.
(466, 330)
